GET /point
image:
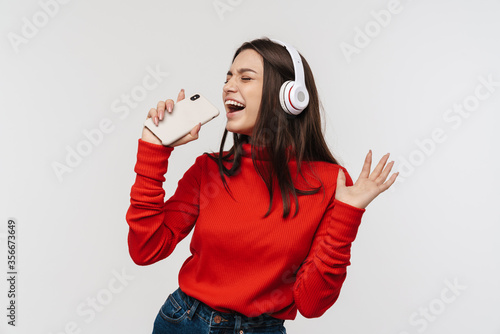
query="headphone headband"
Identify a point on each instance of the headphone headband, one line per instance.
(298, 68)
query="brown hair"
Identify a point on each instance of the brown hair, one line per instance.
(276, 130)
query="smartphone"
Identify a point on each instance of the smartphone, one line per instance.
(183, 118)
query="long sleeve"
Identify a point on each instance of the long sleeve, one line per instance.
(320, 278)
(155, 226)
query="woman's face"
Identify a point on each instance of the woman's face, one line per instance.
(242, 92)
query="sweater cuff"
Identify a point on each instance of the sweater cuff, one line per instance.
(152, 160)
(349, 217)
(348, 206)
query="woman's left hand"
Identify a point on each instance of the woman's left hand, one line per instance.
(367, 187)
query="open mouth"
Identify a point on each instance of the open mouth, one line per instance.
(234, 106)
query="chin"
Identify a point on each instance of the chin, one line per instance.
(239, 131)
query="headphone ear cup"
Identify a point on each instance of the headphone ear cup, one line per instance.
(298, 98)
(284, 93)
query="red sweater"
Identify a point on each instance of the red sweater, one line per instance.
(240, 261)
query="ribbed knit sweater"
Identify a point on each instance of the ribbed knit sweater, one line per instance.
(240, 261)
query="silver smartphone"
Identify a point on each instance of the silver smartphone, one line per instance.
(183, 118)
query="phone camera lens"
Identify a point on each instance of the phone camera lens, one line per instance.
(195, 97)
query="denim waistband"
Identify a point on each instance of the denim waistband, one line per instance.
(222, 319)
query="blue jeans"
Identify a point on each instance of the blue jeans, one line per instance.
(184, 314)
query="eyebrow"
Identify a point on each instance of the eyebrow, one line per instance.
(242, 70)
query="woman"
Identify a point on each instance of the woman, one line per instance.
(273, 218)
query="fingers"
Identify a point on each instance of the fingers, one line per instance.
(169, 104)
(153, 113)
(378, 169)
(161, 109)
(192, 135)
(159, 113)
(384, 185)
(181, 95)
(365, 172)
(385, 172)
(381, 171)
(389, 182)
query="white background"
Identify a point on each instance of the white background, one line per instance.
(438, 224)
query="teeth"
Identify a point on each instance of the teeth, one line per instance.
(234, 103)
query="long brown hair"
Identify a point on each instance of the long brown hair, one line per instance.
(276, 130)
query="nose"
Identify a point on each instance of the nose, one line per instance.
(230, 86)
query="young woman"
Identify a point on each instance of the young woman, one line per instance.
(274, 217)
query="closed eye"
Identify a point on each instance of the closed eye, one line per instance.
(246, 79)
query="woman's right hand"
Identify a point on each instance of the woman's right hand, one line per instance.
(157, 115)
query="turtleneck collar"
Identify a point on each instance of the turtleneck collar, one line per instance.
(262, 152)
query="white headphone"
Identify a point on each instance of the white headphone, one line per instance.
(294, 97)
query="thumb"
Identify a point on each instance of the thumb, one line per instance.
(195, 131)
(341, 178)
